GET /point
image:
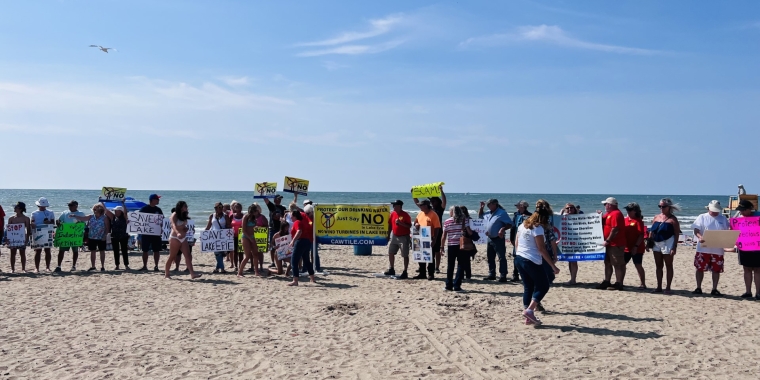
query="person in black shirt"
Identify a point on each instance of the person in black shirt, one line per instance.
(151, 243)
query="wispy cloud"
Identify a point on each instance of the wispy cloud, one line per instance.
(554, 35)
(377, 27)
(235, 81)
(352, 49)
(332, 65)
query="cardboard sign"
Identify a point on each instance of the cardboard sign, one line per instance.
(422, 245)
(283, 249)
(43, 236)
(15, 235)
(427, 191)
(296, 185)
(167, 230)
(719, 238)
(113, 194)
(479, 226)
(145, 224)
(266, 190)
(749, 233)
(69, 235)
(217, 240)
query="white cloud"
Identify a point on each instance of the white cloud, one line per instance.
(377, 27)
(551, 34)
(352, 49)
(332, 65)
(235, 81)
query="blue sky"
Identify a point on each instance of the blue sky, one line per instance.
(636, 97)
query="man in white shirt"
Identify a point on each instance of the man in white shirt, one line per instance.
(709, 259)
(40, 217)
(67, 217)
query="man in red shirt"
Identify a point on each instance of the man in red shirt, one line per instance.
(399, 235)
(635, 232)
(614, 241)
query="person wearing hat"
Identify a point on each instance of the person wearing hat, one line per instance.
(497, 222)
(151, 243)
(518, 217)
(40, 217)
(19, 218)
(68, 217)
(741, 190)
(428, 218)
(399, 238)
(614, 243)
(119, 234)
(706, 258)
(749, 260)
(439, 207)
(635, 230)
(665, 228)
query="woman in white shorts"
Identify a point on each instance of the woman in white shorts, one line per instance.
(665, 229)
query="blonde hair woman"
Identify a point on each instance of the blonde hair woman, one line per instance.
(99, 225)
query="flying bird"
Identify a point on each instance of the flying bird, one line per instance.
(103, 49)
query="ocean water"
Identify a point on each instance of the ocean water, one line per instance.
(201, 203)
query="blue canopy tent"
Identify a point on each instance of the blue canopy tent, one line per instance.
(131, 203)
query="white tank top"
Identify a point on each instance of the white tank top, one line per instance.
(218, 224)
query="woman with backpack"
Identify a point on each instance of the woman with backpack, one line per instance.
(219, 220)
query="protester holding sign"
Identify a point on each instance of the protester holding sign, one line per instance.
(662, 235)
(497, 223)
(428, 218)
(749, 259)
(251, 249)
(302, 233)
(219, 221)
(40, 217)
(570, 209)
(18, 234)
(178, 240)
(706, 258)
(99, 226)
(119, 234)
(261, 221)
(68, 217)
(151, 243)
(635, 230)
(438, 202)
(531, 254)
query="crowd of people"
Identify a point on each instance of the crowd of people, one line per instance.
(535, 246)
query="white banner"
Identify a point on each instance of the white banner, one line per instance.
(43, 236)
(479, 226)
(422, 241)
(283, 249)
(217, 240)
(15, 235)
(145, 224)
(581, 237)
(167, 230)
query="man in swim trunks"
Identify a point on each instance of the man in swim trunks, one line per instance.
(151, 243)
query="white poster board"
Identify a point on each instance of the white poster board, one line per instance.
(217, 240)
(43, 236)
(283, 249)
(479, 226)
(422, 245)
(581, 237)
(145, 224)
(167, 230)
(15, 235)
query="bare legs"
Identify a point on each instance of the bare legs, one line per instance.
(642, 275)
(102, 259)
(701, 275)
(174, 248)
(573, 266)
(252, 254)
(749, 274)
(661, 260)
(13, 259)
(38, 257)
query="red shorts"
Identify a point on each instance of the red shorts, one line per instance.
(711, 262)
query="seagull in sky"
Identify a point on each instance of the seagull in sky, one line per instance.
(103, 49)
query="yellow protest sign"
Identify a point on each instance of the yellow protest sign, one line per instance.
(296, 185)
(261, 234)
(265, 190)
(114, 194)
(427, 191)
(354, 224)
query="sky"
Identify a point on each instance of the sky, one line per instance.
(599, 97)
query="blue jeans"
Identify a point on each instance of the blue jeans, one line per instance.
(497, 246)
(535, 282)
(317, 264)
(220, 259)
(301, 251)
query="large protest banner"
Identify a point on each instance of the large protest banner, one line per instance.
(15, 235)
(479, 226)
(260, 234)
(422, 245)
(166, 230)
(69, 235)
(749, 233)
(145, 224)
(217, 240)
(427, 191)
(282, 247)
(355, 224)
(581, 237)
(43, 236)
(266, 190)
(113, 194)
(296, 185)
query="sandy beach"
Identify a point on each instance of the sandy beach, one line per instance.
(352, 325)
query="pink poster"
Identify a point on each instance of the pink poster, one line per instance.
(749, 237)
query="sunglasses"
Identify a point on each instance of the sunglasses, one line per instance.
(661, 206)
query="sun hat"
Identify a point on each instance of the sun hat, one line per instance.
(398, 202)
(118, 208)
(309, 209)
(42, 202)
(714, 206)
(154, 196)
(307, 202)
(745, 205)
(611, 201)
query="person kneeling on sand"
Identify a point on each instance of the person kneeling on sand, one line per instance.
(399, 237)
(302, 234)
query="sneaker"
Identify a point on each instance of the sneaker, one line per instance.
(126, 267)
(58, 270)
(144, 268)
(448, 288)
(716, 293)
(490, 278)
(155, 268)
(617, 286)
(117, 268)
(757, 297)
(515, 277)
(102, 269)
(420, 276)
(502, 279)
(431, 277)
(697, 291)
(528, 321)
(529, 315)
(746, 295)
(390, 272)
(458, 290)
(73, 268)
(403, 276)
(604, 285)
(92, 269)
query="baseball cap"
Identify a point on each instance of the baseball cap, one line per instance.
(745, 205)
(521, 203)
(278, 196)
(154, 196)
(633, 206)
(73, 202)
(425, 202)
(398, 202)
(492, 200)
(611, 201)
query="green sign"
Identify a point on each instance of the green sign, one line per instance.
(261, 234)
(69, 235)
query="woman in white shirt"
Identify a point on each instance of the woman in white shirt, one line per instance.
(531, 253)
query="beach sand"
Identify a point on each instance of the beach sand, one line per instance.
(352, 325)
